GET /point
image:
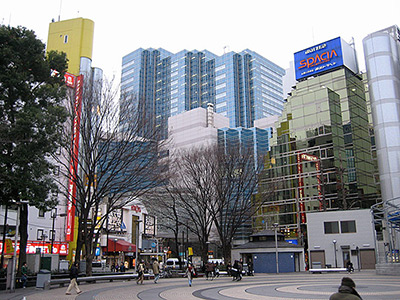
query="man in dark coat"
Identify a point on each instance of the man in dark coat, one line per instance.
(347, 291)
(73, 275)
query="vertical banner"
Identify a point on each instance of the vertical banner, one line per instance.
(73, 165)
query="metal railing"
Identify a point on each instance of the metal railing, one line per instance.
(386, 215)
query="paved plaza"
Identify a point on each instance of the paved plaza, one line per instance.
(299, 286)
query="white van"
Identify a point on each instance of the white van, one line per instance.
(173, 263)
(220, 261)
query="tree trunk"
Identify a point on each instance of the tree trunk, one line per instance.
(23, 232)
(204, 252)
(79, 243)
(226, 252)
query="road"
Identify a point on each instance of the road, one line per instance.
(289, 286)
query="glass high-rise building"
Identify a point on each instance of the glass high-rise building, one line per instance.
(242, 86)
(320, 158)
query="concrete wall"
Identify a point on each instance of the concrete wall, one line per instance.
(362, 239)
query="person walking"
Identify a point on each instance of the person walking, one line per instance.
(209, 270)
(140, 271)
(122, 267)
(189, 273)
(73, 275)
(156, 270)
(347, 291)
(240, 270)
(24, 274)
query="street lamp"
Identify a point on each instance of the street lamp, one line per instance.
(44, 236)
(115, 245)
(53, 232)
(334, 249)
(137, 243)
(276, 247)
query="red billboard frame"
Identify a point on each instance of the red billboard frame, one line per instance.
(73, 165)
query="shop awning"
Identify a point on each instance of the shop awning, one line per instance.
(120, 245)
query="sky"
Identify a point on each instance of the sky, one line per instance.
(273, 29)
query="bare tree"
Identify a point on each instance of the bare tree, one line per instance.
(115, 163)
(235, 176)
(190, 191)
(212, 189)
(166, 205)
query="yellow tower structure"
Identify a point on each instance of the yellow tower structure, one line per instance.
(75, 38)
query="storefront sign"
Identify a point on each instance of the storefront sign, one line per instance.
(38, 246)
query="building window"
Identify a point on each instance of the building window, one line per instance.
(348, 226)
(331, 227)
(39, 236)
(65, 39)
(41, 213)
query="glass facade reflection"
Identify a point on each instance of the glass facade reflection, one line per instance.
(242, 86)
(320, 158)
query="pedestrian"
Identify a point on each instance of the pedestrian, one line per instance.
(140, 272)
(189, 273)
(209, 270)
(113, 267)
(347, 291)
(216, 270)
(235, 270)
(250, 268)
(122, 267)
(73, 275)
(229, 268)
(349, 266)
(240, 270)
(156, 270)
(24, 275)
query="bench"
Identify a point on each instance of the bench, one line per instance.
(92, 279)
(327, 270)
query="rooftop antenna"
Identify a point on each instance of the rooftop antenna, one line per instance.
(59, 13)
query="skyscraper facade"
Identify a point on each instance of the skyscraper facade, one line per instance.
(320, 158)
(242, 86)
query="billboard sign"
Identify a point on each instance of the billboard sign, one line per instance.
(318, 58)
(73, 165)
(33, 246)
(69, 79)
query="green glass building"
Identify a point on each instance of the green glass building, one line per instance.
(320, 158)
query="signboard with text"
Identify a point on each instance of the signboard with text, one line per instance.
(73, 165)
(318, 58)
(33, 246)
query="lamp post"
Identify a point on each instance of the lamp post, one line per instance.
(44, 236)
(276, 247)
(334, 250)
(115, 245)
(53, 232)
(137, 243)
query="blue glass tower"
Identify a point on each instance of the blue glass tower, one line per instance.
(242, 86)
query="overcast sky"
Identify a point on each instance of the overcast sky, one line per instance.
(274, 29)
